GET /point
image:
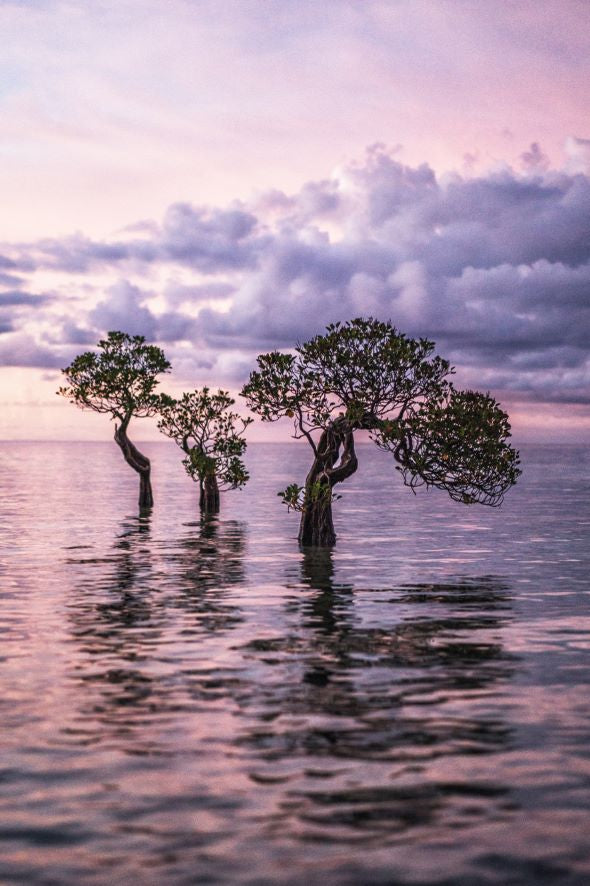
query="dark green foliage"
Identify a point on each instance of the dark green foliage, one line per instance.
(296, 497)
(210, 435)
(119, 379)
(365, 375)
(457, 443)
(363, 368)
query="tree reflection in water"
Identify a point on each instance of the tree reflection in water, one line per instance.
(201, 565)
(358, 714)
(393, 687)
(132, 614)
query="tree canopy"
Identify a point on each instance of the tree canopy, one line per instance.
(364, 369)
(119, 379)
(209, 433)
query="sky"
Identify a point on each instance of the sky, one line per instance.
(226, 177)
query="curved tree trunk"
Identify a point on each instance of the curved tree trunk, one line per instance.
(329, 468)
(139, 462)
(209, 498)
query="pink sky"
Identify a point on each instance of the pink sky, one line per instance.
(112, 112)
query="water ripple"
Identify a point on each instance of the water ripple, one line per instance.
(188, 700)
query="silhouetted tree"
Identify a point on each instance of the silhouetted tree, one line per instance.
(365, 375)
(210, 435)
(120, 380)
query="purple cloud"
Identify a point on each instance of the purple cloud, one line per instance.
(21, 349)
(123, 309)
(495, 268)
(209, 240)
(19, 298)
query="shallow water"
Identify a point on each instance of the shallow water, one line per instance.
(187, 702)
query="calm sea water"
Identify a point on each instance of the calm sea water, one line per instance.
(188, 703)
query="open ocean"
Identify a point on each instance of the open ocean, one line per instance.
(188, 702)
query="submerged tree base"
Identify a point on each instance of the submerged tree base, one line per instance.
(209, 498)
(146, 496)
(317, 528)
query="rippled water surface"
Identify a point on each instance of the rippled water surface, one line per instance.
(201, 702)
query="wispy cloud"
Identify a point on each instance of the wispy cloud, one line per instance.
(211, 100)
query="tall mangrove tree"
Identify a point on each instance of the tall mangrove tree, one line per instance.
(365, 375)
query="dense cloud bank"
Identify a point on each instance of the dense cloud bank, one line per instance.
(495, 269)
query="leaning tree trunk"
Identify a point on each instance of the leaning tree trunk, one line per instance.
(138, 462)
(209, 498)
(317, 527)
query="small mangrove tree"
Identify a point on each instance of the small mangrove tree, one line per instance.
(120, 379)
(211, 436)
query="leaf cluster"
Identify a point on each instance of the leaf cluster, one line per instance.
(209, 433)
(458, 443)
(298, 498)
(119, 379)
(364, 369)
